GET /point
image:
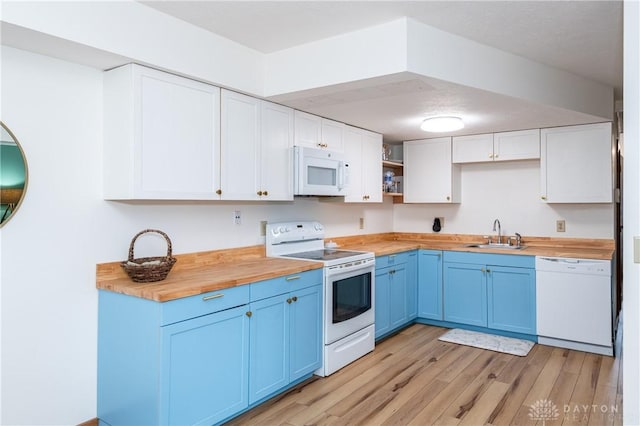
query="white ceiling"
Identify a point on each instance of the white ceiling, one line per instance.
(582, 37)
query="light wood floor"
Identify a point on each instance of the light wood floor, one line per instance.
(414, 379)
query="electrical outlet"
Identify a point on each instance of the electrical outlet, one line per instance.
(362, 223)
(263, 228)
(560, 226)
(441, 222)
(236, 217)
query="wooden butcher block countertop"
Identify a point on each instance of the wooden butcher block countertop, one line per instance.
(202, 272)
(199, 273)
(534, 246)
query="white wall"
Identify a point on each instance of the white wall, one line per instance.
(631, 216)
(118, 32)
(52, 244)
(353, 56)
(509, 191)
(449, 57)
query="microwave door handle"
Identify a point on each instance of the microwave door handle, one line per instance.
(341, 175)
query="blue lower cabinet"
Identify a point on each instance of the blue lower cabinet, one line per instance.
(398, 313)
(497, 292)
(204, 368)
(383, 321)
(412, 285)
(203, 359)
(395, 296)
(305, 331)
(429, 282)
(465, 296)
(511, 299)
(269, 346)
(286, 340)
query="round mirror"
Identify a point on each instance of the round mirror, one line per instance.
(13, 174)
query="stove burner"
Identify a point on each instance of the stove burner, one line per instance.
(324, 254)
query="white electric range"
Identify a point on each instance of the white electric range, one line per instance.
(348, 290)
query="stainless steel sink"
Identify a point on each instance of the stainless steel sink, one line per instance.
(496, 246)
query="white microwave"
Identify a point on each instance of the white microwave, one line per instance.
(319, 172)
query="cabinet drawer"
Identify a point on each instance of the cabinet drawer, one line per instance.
(285, 284)
(203, 304)
(392, 259)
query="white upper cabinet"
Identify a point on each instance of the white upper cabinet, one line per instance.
(161, 136)
(429, 174)
(473, 149)
(239, 147)
(276, 176)
(363, 151)
(317, 132)
(576, 164)
(256, 149)
(505, 146)
(519, 145)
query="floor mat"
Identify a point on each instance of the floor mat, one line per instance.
(491, 342)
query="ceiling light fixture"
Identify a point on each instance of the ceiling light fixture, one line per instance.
(442, 124)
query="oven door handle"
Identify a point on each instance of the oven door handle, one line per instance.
(351, 270)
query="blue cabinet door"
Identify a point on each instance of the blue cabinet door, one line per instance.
(465, 294)
(204, 368)
(412, 285)
(383, 279)
(306, 332)
(398, 296)
(511, 299)
(430, 284)
(269, 346)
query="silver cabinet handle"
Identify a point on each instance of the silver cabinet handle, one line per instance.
(295, 277)
(213, 296)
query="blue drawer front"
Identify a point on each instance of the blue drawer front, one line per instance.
(203, 304)
(392, 259)
(281, 285)
(513, 260)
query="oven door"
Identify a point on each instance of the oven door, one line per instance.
(350, 299)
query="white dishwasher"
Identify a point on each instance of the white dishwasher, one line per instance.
(574, 303)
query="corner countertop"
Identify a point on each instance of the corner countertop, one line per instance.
(197, 273)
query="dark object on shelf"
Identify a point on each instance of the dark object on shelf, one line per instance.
(437, 226)
(149, 269)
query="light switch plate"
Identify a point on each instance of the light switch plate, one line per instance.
(560, 226)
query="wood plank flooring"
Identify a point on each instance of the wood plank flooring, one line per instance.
(414, 379)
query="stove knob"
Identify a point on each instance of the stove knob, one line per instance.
(281, 229)
(318, 227)
(287, 229)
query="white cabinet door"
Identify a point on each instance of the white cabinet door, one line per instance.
(308, 129)
(363, 151)
(276, 182)
(519, 145)
(576, 164)
(353, 153)
(317, 132)
(161, 136)
(372, 166)
(240, 147)
(473, 148)
(256, 149)
(332, 135)
(505, 146)
(429, 174)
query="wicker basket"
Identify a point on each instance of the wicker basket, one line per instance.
(149, 269)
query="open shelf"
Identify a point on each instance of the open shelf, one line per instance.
(395, 164)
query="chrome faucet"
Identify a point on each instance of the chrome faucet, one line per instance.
(499, 230)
